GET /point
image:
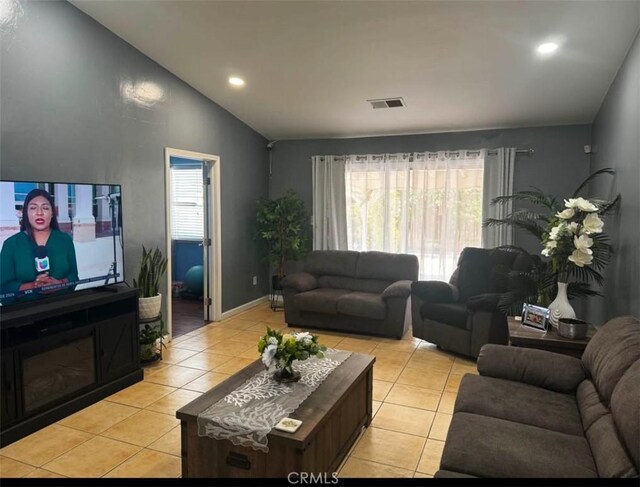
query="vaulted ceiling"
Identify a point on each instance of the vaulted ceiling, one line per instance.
(311, 66)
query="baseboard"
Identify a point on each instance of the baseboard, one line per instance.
(243, 307)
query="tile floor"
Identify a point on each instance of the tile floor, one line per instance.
(134, 433)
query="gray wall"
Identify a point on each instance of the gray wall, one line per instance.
(64, 118)
(557, 166)
(616, 141)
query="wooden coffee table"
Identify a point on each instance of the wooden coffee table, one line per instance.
(332, 419)
(525, 336)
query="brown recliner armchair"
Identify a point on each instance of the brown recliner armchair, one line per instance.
(462, 315)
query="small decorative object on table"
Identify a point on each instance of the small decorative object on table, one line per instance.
(282, 350)
(290, 425)
(535, 316)
(572, 328)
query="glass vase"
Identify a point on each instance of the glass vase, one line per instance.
(560, 307)
(286, 374)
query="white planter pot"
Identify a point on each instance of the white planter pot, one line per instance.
(149, 307)
(560, 307)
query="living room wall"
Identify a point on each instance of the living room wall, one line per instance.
(81, 105)
(616, 144)
(557, 165)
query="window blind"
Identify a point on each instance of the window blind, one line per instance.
(187, 213)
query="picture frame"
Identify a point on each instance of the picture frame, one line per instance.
(535, 317)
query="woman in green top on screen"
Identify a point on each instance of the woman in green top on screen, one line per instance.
(39, 236)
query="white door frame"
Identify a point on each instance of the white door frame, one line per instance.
(215, 222)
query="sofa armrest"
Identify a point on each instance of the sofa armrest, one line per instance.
(398, 289)
(300, 281)
(484, 302)
(435, 291)
(553, 371)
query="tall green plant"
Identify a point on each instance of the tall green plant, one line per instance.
(152, 267)
(537, 213)
(283, 224)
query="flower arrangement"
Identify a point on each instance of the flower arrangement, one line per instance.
(571, 232)
(568, 237)
(282, 350)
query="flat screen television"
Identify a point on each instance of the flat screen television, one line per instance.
(58, 238)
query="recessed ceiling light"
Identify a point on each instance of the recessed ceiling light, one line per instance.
(547, 48)
(235, 81)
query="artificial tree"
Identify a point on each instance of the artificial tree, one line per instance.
(283, 225)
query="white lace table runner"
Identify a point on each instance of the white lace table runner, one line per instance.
(247, 415)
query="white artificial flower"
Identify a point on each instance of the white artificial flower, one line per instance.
(580, 204)
(573, 226)
(592, 224)
(556, 231)
(580, 258)
(272, 341)
(268, 354)
(566, 214)
(301, 336)
(583, 244)
(551, 244)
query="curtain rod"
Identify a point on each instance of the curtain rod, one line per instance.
(529, 152)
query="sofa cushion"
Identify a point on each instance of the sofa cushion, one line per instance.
(452, 314)
(608, 452)
(491, 447)
(589, 403)
(332, 262)
(541, 368)
(625, 408)
(371, 285)
(387, 267)
(611, 352)
(300, 281)
(337, 282)
(322, 300)
(527, 404)
(366, 305)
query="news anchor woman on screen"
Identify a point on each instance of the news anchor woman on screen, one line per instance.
(40, 259)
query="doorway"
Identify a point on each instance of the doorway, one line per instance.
(193, 240)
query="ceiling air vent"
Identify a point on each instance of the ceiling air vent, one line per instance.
(387, 103)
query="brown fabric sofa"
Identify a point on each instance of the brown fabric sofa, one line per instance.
(462, 315)
(361, 292)
(533, 413)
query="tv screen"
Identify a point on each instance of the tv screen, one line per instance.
(58, 238)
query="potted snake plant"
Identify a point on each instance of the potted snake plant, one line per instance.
(152, 267)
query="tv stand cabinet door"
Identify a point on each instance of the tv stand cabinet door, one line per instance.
(118, 350)
(7, 388)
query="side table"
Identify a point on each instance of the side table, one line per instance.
(524, 336)
(150, 339)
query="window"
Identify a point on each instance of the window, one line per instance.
(187, 220)
(427, 204)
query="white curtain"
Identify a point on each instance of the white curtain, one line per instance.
(329, 208)
(428, 204)
(498, 181)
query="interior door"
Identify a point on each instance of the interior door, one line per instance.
(206, 241)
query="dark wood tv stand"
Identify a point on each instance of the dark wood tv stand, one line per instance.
(62, 355)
